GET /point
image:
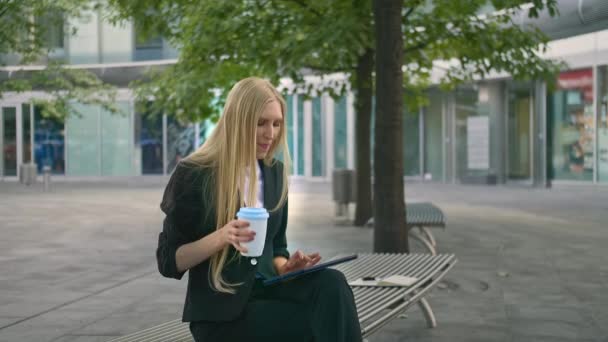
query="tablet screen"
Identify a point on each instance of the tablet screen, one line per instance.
(315, 268)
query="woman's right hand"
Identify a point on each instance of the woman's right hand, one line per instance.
(235, 232)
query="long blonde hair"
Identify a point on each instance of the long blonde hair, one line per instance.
(230, 150)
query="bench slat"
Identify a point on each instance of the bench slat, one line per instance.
(376, 306)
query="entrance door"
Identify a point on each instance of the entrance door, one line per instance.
(519, 133)
(8, 141)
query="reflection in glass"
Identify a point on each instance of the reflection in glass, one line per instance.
(519, 131)
(82, 144)
(300, 144)
(180, 142)
(49, 143)
(289, 127)
(571, 124)
(340, 149)
(9, 141)
(602, 125)
(433, 137)
(147, 46)
(150, 143)
(27, 133)
(472, 131)
(116, 137)
(317, 138)
(411, 142)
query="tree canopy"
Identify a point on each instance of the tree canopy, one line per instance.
(26, 28)
(221, 42)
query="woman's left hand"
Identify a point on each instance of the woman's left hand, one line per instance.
(299, 261)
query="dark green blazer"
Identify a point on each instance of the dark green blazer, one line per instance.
(190, 215)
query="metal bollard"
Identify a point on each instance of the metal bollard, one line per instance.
(46, 178)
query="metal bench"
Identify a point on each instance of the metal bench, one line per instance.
(419, 218)
(376, 306)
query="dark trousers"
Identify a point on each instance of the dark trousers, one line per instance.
(317, 307)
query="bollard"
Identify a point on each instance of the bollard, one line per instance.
(46, 178)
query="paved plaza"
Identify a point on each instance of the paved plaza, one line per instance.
(78, 264)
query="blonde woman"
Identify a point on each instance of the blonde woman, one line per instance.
(225, 300)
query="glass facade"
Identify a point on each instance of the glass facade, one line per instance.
(83, 150)
(519, 131)
(433, 137)
(147, 47)
(180, 142)
(340, 138)
(317, 138)
(602, 125)
(8, 127)
(472, 132)
(300, 135)
(49, 143)
(289, 125)
(411, 142)
(149, 143)
(571, 126)
(26, 140)
(117, 142)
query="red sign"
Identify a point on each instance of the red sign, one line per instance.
(577, 80)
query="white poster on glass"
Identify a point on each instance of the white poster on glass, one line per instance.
(478, 143)
(603, 154)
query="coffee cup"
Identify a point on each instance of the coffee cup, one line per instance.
(258, 221)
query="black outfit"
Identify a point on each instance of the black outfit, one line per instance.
(317, 307)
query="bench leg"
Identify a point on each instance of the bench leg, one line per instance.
(424, 241)
(428, 312)
(429, 235)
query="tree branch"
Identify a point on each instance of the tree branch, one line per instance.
(325, 69)
(418, 46)
(306, 6)
(411, 9)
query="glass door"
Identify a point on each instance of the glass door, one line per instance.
(519, 132)
(8, 141)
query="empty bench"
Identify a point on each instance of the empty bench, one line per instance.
(419, 218)
(376, 306)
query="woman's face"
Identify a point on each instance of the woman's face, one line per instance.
(269, 127)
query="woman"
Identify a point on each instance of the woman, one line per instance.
(226, 300)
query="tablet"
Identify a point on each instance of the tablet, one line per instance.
(315, 268)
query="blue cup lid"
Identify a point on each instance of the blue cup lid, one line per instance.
(253, 213)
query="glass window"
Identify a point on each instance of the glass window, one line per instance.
(519, 131)
(149, 142)
(83, 150)
(180, 142)
(411, 142)
(27, 132)
(317, 138)
(84, 46)
(116, 42)
(290, 124)
(602, 125)
(116, 140)
(52, 23)
(433, 137)
(340, 149)
(472, 131)
(49, 143)
(300, 135)
(9, 141)
(571, 124)
(205, 129)
(147, 46)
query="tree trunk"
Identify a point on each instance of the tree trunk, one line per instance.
(390, 234)
(363, 110)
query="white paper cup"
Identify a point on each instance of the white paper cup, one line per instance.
(258, 222)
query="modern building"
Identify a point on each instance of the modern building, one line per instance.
(495, 130)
